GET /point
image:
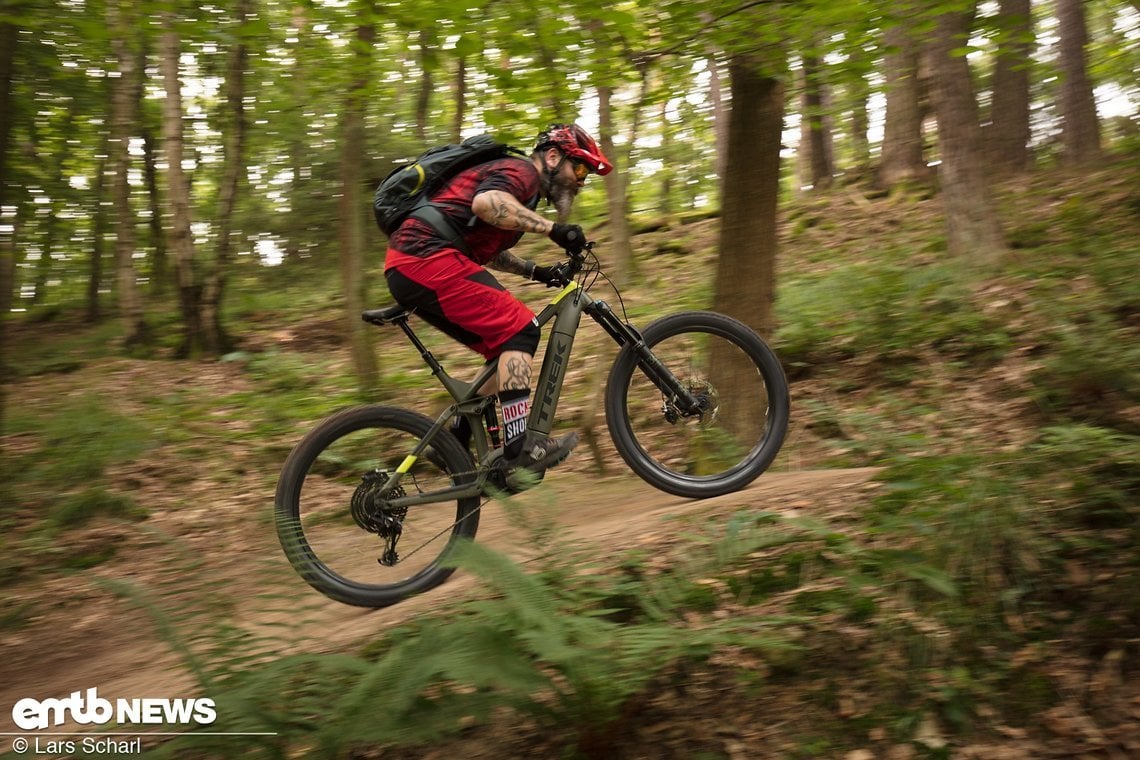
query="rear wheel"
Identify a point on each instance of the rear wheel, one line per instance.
(338, 532)
(742, 396)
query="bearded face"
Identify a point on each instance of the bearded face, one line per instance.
(559, 184)
(563, 191)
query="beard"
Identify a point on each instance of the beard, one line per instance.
(561, 193)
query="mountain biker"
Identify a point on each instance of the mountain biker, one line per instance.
(494, 205)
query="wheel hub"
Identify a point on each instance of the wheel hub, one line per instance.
(707, 404)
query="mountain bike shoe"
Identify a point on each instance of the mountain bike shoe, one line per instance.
(538, 455)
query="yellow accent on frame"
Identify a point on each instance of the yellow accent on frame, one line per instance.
(566, 291)
(406, 465)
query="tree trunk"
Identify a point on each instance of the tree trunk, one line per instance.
(178, 194)
(123, 22)
(665, 174)
(860, 122)
(624, 269)
(902, 157)
(745, 280)
(1080, 130)
(816, 165)
(1009, 131)
(159, 264)
(296, 125)
(351, 203)
(460, 99)
(9, 35)
(972, 224)
(719, 114)
(98, 233)
(427, 82)
(217, 342)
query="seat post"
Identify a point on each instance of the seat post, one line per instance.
(427, 355)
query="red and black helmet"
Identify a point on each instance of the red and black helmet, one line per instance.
(576, 143)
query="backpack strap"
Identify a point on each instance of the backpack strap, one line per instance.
(430, 214)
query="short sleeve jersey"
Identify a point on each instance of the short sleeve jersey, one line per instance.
(418, 239)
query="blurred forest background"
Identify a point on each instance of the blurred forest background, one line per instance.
(931, 210)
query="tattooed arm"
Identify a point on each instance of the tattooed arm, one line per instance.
(507, 262)
(501, 209)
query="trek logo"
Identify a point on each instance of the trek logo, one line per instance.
(87, 708)
(557, 365)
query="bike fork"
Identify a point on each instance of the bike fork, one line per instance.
(654, 369)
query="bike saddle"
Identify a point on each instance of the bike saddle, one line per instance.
(385, 316)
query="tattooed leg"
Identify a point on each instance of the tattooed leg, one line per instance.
(514, 399)
(514, 371)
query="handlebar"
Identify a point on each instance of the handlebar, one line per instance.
(573, 264)
(576, 261)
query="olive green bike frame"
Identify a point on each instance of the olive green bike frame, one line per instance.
(566, 311)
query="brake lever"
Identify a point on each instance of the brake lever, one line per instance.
(569, 269)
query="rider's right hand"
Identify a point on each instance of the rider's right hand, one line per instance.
(569, 236)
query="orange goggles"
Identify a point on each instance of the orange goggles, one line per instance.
(581, 171)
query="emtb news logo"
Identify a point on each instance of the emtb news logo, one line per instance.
(88, 708)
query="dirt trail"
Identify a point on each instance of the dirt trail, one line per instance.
(87, 637)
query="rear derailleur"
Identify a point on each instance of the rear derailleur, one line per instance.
(372, 511)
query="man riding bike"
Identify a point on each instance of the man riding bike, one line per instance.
(493, 204)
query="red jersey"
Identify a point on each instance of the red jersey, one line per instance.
(416, 239)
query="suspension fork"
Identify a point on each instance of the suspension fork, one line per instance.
(626, 335)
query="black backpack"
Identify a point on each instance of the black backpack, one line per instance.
(408, 189)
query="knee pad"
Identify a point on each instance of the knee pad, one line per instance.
(525, 340)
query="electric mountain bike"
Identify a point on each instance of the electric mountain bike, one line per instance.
(371, 501)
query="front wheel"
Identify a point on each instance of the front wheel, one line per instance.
(742, 406)
(337, 528)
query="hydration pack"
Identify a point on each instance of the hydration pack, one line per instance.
(409, 187)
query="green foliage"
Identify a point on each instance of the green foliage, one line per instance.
(80, 508)
(78, 438)
(896, 312)
(961, 526)
(1101, 470)
(1092, 371)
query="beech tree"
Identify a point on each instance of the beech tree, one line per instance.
(817, 164)
(178, 190)
(1008, 135)
(972, 225)
(123, 21)
(902, 154)
(1080, 129)
(216, 341)
(352, 205)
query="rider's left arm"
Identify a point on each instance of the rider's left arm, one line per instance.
(507, 262)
